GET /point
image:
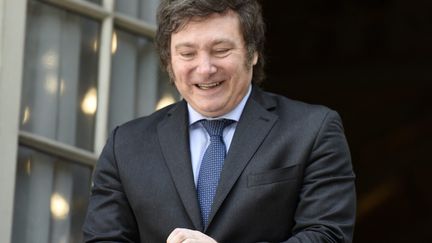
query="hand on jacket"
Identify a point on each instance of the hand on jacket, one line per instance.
(180, 235)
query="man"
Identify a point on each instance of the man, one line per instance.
(287, 174)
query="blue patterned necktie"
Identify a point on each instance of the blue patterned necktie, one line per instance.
(211, 165)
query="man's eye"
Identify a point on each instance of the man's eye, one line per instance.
(187, 54)
(222, 52)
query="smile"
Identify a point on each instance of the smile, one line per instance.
(208, 86)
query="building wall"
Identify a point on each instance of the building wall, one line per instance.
(70, 71)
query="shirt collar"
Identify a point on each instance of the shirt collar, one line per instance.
(234, 114)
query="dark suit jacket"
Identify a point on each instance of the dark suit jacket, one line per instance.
(287, 177)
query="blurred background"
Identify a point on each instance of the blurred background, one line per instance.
(371, 60)
(71, 70)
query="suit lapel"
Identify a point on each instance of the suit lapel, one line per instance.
(254, 125)
(174, 140)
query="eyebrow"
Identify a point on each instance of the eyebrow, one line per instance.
(222, 41)
(213, 43)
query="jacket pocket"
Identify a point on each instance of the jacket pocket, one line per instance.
(273, 176)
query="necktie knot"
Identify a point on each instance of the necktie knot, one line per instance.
(216, 127)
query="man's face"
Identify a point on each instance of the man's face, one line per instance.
(209, 65)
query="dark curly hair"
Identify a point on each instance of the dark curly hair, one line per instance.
(174, 14)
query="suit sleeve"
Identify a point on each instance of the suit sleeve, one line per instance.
(109, 216)
(327, 201)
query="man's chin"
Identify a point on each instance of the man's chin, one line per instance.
(211, 111)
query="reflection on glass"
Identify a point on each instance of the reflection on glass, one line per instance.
(166, 100)
(89, 103)
(62, 86)
(50, 59)
(114, 43)
(95, 45)
(138, 86)
(141, 9)
(28, 167)
(60, 68)
(51, 198)
(59, 206)
(167, 92)
(26, 115)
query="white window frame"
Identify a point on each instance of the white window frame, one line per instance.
(12, 27)
(12, 43)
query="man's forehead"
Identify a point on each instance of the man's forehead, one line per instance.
(214, 29)
(214, 42)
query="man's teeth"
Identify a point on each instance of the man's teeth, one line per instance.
(208, 86)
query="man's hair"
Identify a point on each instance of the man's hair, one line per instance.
(173, 15)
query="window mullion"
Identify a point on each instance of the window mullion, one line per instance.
(12, 29)
(52, 147)
(134, 25)
(81, 7)
(104, 78)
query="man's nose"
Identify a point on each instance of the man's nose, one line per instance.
(205, 65)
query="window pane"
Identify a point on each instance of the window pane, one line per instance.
(60, 75)
(98, 2)
(141, 9)
(51, 198)
(137, 83)
(167, 92)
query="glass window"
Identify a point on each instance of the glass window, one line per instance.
(138, 86)
(98, 2)
(51, 198)
(141, 9)
(167, 92)
(59, 93)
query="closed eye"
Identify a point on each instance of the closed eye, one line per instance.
(222, 52)
(187, 55)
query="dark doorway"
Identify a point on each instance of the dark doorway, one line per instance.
(371, 60)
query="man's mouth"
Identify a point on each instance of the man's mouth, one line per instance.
(208, 85)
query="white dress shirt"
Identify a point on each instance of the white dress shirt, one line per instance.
(200, 139)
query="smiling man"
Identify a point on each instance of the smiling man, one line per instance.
(209, 63)
(230, 162)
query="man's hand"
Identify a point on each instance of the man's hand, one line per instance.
(180, 235)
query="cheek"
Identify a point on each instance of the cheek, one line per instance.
(175, 75)
(181, 71)
(239, 73)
